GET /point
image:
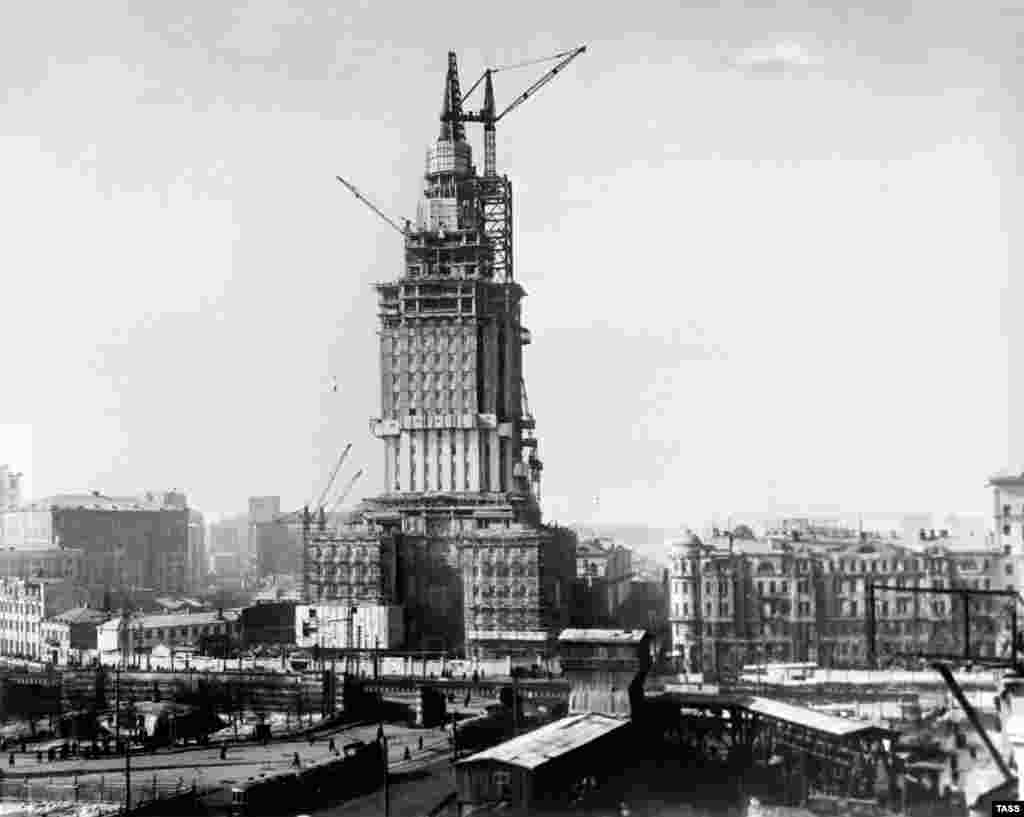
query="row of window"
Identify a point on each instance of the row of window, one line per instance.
(435, 360)
(443, 338)
(161, 633)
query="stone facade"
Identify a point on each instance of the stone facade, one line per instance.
(748, 602)
(461, 544)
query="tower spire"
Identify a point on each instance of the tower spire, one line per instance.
(452, 127)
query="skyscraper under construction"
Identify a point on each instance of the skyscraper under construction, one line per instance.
(456, 539)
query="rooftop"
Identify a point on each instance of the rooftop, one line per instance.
(809, 718)
(175, 620)
(82, 615)
(551, 741)
(603, 636)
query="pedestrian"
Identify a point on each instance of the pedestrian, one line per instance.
(330, 746)
(39, 756)
(24, 747)
(223, 751)
(421, 743)
(407, 754)
(312, 739)
(296, 762)
(10, 760)
(467, 697)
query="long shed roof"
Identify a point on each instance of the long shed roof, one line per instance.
(810, 718)
(550, 741)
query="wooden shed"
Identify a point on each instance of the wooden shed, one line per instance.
(542, 767)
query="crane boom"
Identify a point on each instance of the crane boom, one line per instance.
(540, 83)
(346, 490)
(374, 207)
(334, 475)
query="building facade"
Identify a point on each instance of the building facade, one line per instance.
(10, 489)
(603, 581)
(274, 539)
(25, 605)
(71, 637)
(462, 548)
(342, 626)
(124, 541)
(138, 635)
(781, 600)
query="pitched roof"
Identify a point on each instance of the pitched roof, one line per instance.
(550, 741)
(82, 615)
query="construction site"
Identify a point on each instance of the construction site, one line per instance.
(456, 540)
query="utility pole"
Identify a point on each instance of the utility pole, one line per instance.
(382, 739)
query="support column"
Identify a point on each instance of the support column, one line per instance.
(473, 459)
(444, 459)
(460, 459)
(404, 461)
(421, 460)
(494, 466)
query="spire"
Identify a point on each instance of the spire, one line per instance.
(452, 128)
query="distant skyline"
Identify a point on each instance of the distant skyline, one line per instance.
(767, 247)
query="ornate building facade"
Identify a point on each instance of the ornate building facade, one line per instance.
(461, 544)
(750, 602)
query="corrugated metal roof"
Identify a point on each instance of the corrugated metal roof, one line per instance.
(809, 718)
(603, 636)
(550, 741)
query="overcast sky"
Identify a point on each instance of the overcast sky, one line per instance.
(766, 246)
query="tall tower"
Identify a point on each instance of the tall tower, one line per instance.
(451, 337)
(461, 544)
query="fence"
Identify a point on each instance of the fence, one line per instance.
(101, 790)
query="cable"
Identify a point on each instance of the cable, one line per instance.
(531, 62)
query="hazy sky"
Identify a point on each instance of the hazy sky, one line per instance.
(767, 246)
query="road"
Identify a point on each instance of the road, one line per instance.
(205, 767)
(416, 786)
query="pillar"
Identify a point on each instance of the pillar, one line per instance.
(460, 459)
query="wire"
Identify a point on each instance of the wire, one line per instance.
(531, 62)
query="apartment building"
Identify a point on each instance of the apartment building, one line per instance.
(756, 601)
(25, 605)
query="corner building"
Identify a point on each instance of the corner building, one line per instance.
(462, 548)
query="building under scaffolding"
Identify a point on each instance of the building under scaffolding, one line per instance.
(456, 538)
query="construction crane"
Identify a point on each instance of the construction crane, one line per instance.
(486, 114)
(334, 475)
(295, 516)
(376, 209)
(346, 490)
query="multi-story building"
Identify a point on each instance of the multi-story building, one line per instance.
(198, 564)
(138, 635)
(24, 605)
(228, 549)
(462, 548)
(71, 637)
(125, 541)
(1008, 514)
(603, 581)
(341, 626)
(274, 539)
(42, 563)
(10, 489)
(745, 602)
